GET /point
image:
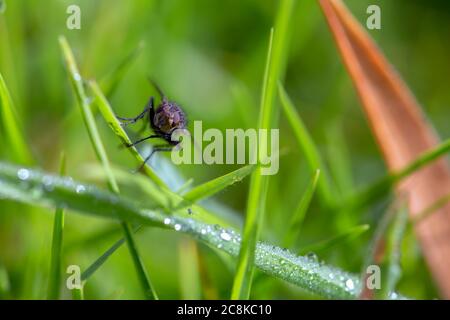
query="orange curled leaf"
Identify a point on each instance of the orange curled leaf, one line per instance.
(402, 133)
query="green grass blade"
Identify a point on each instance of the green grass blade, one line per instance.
(83, 102)
(321, 279)
(89, 272)
(384, 185)
(190, 282)
(254, 215)
(390, 267)
(78, 294)
(77, 83)
(110, 82)
(299, 214)
(216, 185)
(274, 71)
(56, 254)
(144, 279)
(12, 131)
(337, 240)
(431, 209)
(307, 146)
(114, 124)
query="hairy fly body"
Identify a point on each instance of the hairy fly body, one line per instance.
(163, 121)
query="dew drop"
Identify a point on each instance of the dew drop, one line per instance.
(312, 256)
(77, 76)
(349, 284)
(167, 221)
(177, 227)
(23, 174)
(203, 231)
(225, 236)
(80, 189)
(47, 181)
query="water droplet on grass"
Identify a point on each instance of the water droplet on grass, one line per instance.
(177, 227)
(23, 174)
(349, 284)
(225, 236)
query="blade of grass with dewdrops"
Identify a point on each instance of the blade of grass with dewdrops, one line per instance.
(56, 253)
(205, 190)
(299, 214)
(77, 84)
(274, 71)
(321, 279)
(307, 146)
(11, 129)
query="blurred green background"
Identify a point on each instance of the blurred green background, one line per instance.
(208, 56)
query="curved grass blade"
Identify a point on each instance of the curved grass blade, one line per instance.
(56, 254)
(307, 145)
(334, 241)
(46, 190)
(96, 141)
(216, 185)
(385, 184)
(431, 209)
(12, 131)
(300, 212)
(114, 124)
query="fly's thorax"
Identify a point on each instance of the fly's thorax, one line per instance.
(168, 117)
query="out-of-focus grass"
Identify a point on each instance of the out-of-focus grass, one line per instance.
(11, 129)
(57, 238)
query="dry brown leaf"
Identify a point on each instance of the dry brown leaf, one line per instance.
(402, 132)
